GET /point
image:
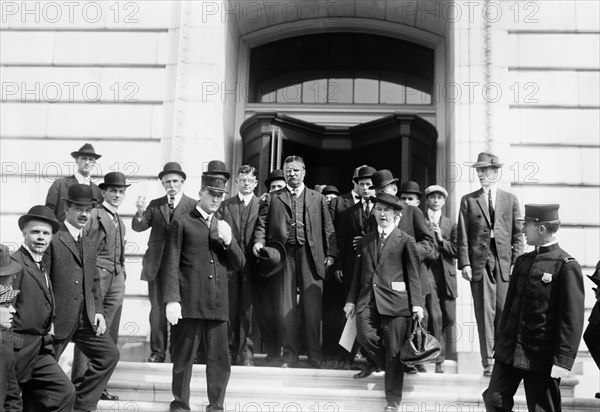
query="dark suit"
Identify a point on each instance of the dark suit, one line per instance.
(304, 268)
(156, 216)
(443, 269)
(60, 190)
(338, 204)
(242, 284)
(43, 384)
(541, 326)
(195, 274)
(492, 258)
(384, 288)
(591, 335)
(10, 398)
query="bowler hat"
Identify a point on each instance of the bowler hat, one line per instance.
(540, 212)
(172, 167)
(382, 178)
(114, 179)
(329, 189)
(80, 194)
(485, 159)
(7, 266)
(411, 186)
(217, 167)
(214, 183)
(271, 258)
(7, 293)
(364, 172)
(276, 174)
(86, 150)
(595, 277)
(387, 199)
(436, 189)
(40, 212)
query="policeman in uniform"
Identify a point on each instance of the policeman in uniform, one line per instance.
(541, 325)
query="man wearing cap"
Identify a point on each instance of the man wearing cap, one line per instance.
(158, 215)
(198, 251)
(352, 222)
(443, 269)
(107, 231)
(10, 398)
(240, 213)
(385, 293)
(540, 330)
(489, 241)
(591, 336)
(86, 161)
(79, 317)
(44, 385)
(298, 218)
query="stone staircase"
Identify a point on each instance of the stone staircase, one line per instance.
(144, 387)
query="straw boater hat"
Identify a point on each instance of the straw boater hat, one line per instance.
(86, 150)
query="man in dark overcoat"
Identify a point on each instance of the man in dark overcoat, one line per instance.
(591, 336)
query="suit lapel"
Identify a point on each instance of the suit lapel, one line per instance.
(69, 242)
(391, 243)
(164, 209)
(482, 202)
(38, 276)
(284, 196)
(234, 208)
(371, 240)
(252, 213)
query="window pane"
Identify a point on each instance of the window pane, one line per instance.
(391, 93)
(339, 91)
(366, 91)
(314, 91)
(414, 96)
(290, 94)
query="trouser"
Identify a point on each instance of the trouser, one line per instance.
(591, 336)
(268, 312)
(434, 319)
(187, 336)
(157, 318)
(334, 320)
(541, 390)
(240, 332)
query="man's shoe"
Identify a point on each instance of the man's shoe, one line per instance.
(108, 397)
(366, 370)
(439, 368)
(155, 358)
(411, 370)
(421, 368)
(597, 395)
(391, 406)
(487, 371)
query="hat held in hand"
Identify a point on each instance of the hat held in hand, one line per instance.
(271, 259)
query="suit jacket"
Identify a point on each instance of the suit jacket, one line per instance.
(275, 219)
(392, 279)
(351, 223)
(444, 266)
(195, 267)
(100, 227)
(543, 314)
(594, 318)
(474, 232)
(66, 265)
(32, 321)
(156, 216)
(60, 189)
(338, 205)
(230, 212)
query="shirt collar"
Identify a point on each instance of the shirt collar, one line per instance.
(386, 231)
(298, 190)
(246, 199)
(177, 197)
(205, 215)
(81, 179)
(550, 243)
(75, 232)
(434, 215)
(356, 199)
(109, 207)
(492, 187)
(37, 258)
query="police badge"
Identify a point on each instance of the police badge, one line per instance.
(547, 277)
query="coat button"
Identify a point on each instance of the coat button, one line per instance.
(374, 284)
(212, 261)
(77, 282)
(210, 277)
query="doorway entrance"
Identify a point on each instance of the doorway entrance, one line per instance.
(404, 144)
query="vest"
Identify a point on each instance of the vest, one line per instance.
(298, 229)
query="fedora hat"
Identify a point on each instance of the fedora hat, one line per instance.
(172, 167)
(411, 186)
(86, 150)
(217, 167)
(271, 259)
(436, 189)
(80, 194)
(7, 294)
(485, 159)
(114, 179)
(276, 174)
(387, 199)
(540, 212)
(595, 277)
(40, 212)
(214, 183)
(382, 178)
(365, 172)
(329, 189)
(7, 266)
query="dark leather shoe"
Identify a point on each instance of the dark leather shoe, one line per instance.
(366, 370)
(108, 397)
(487, 371)
(411, 370)
(155, 358)
(439, 368)
(597, 395)
(421, 368)
(391, 406)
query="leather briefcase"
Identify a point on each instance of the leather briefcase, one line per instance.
(420, 346)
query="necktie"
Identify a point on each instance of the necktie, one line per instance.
(491, 208)
(171, 207)
(365, 210)
(43, 269)
(381, 243)
(78, 244)
(116, 220)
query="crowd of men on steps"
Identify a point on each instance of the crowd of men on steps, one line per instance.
(287, 271)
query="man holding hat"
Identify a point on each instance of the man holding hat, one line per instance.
(86, 161)
(198, 251)
(79, 317)
(9, 387)
(591, 336)
(489, 241)
(44, 385)
(386, 293)
(443, 269)
(540, 330)
(106, 231)
(158, 216)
